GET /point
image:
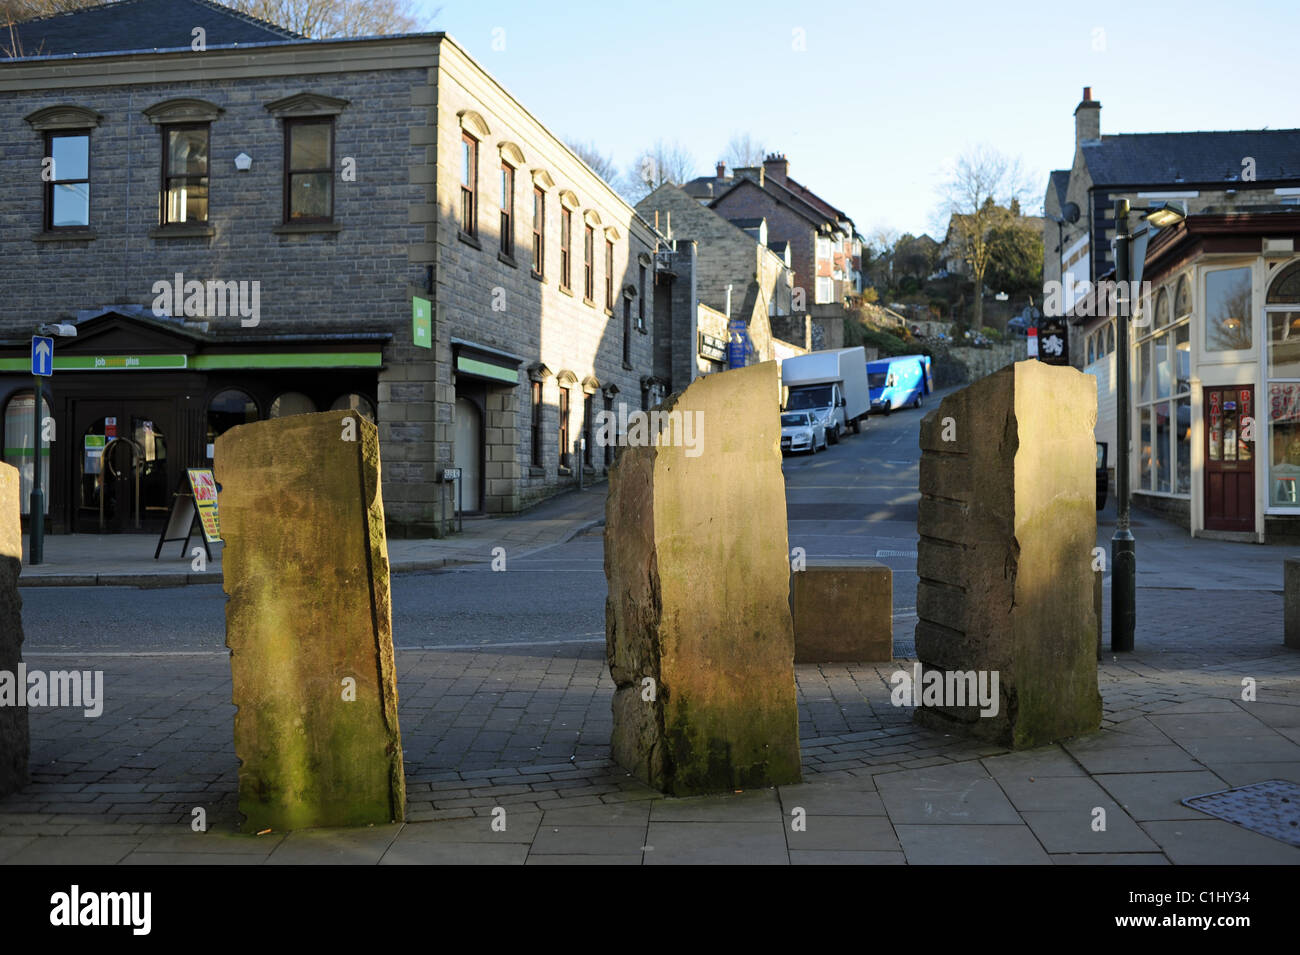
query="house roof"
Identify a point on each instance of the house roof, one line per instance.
(130, 25)
(746, 223)
(779, 193)
(814, 200)
(1059, 179)
(707, 187)
(1130, 159)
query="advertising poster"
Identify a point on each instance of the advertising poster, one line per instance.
(204, 486)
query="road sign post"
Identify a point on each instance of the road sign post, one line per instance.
(42, 367)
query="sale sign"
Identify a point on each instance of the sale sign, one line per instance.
(204, 485)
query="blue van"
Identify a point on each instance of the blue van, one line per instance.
(899, 382)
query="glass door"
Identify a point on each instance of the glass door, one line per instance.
(1230, 458)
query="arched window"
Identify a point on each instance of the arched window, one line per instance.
(1162, 309)
(1183, 300)
(18, 446)
(355, 402)
(1110, 338)
(1285, 289)
(291, 403)
(227, 409)
(1091, 354)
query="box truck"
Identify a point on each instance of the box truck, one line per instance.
(832, 385)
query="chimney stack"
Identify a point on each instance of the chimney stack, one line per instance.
(776, 166)
(722, 170)
(1087, 119)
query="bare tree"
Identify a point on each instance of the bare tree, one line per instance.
(600, 164)
(331, 18)
(977, 197)
(663, 162)
(314, 18)
(743, 150)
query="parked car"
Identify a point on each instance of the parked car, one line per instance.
(801, 431)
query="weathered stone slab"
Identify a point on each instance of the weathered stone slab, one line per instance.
(1291, 602)
(843, 611)
(15, 740)
(1007, 523)
(309, 623)
(698, 628)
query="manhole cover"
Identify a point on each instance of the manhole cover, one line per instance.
(895, 553)
(1271, 808)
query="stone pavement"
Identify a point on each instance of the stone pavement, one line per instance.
(525, 730)
(80, 560)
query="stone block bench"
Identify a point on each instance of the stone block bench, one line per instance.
(843, 611)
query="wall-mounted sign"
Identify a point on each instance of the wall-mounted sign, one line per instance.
(1053, 341)
(421, 322)
(714, 349)
(117, 362)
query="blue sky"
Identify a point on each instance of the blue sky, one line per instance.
(884, 96)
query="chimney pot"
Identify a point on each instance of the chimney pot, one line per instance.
(722, 170)
(1087, 94)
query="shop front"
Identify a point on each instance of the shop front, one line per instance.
(1216, 378)
(136, 399)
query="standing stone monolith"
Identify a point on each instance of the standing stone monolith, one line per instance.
(1007, 525)
(309, 623)
(15, 738)
(698, 629)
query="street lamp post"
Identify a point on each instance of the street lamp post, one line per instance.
(1123, 547)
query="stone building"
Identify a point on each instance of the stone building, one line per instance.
(1210, 173)
(272, 225)
(825, 248)
(737, 276)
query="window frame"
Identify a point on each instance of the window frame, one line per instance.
(1264, 429)
(167, 129)
(468, 211)
(539, 232)
(1180, 390)
(563, 429)
(588, 263)
(291, 123)
(537, 448)
(507, 209)
(566, 248)
(640, 301)
(609, 275)
(51, 184)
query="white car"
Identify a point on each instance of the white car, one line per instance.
(800, 431)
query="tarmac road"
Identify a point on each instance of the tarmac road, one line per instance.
(856, 499)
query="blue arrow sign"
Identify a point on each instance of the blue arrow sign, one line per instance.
(42, 356)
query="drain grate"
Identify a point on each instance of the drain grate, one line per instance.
(1270, 808)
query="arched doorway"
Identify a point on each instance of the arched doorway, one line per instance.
(468, 454)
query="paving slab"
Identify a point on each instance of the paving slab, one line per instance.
(588, 840)
(1111, 858)
(841, 799)
(710, 843)
(1053, 793)
(194, 858)
(1045, 761)
(1215, 842)
(925, 800)
(74, 850)
(1243, 774)
(335, 846)
(1259, 747)
(455, 853)
(1133, 759)
(1152, 796)
(630, 859)
(971, 845)
(635, 814)
(801, 857)
(841, 833)
(758, 806)
(1071, 831)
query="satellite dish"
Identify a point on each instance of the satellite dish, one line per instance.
(1071, 212)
